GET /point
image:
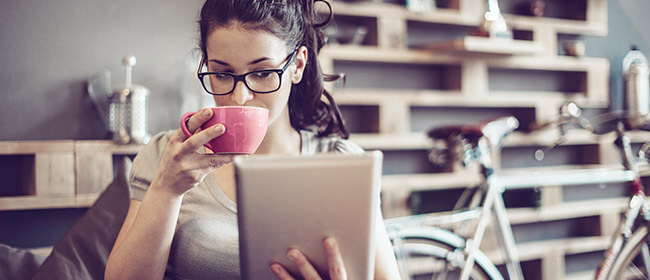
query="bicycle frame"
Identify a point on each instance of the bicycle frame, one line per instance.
(637, 207)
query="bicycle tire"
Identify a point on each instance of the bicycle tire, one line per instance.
(428, 250)
(626, 263)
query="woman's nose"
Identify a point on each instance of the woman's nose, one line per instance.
(241, 94)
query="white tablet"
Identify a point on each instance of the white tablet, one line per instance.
(297, 201)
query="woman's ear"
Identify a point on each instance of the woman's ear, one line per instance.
(301, 63)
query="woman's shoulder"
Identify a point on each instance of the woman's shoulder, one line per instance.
(313, 143)
(155, 147)
(145, 164)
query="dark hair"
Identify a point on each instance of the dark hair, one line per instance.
(294, 21)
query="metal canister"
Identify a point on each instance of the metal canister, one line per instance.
(127, 112)
(128, 115)
(636, 83)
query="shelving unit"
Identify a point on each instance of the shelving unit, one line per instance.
(428, 70)
(57, 174)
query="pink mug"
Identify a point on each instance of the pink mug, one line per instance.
(245, 128)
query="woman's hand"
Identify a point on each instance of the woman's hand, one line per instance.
(181, 167)
(336, 269)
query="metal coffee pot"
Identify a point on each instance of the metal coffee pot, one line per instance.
(124, 109)
(636, 82)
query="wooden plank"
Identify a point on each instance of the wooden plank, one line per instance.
(391, 33)
(94, 163)
(547, 37)
(565, 26)
(474, 79)
(393, 116)
(553, 264)
(486, 45)
(31, 147)
(54, 173)
(94, 171)
(537, 249)
(109, 146)
(46, 202)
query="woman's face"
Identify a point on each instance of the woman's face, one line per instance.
(238, 50)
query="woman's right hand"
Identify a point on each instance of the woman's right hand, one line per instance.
(181, 167)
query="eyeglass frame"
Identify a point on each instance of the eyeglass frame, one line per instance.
(242, 77)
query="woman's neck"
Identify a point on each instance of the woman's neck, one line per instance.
(281, 137)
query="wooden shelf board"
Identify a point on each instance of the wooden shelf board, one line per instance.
(417, 182)
(539, 249)
(381, 55)
(414, 56)
(485, 45)
(392, 141)
(46, 202)
(31, 147)
(36, 146)
(368, 9)
(443, 16)
(582, 275)
(565, 26)
(559, 211)
(108, 146)
(450, 98)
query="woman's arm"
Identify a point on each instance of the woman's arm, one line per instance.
(141, 250)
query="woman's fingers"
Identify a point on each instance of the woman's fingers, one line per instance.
(334, 259)
(304, 266)
(198, 119)
(204, 136)
(216, 161)
(281, 272)
(193, 125)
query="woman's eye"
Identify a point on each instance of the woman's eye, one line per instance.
(221, 76)
(262, 74)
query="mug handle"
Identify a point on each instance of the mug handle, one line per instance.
(186, 131)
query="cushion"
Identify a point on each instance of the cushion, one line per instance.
(18, 263)
(84, 249)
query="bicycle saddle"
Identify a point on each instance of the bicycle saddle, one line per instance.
(494, 130)
(609, 122)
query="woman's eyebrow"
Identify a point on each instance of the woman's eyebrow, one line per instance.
(250, 63)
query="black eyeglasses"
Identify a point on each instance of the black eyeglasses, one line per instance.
(262, 81)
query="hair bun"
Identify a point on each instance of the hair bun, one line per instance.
(329, 17)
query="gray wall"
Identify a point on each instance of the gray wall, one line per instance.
(49, 48)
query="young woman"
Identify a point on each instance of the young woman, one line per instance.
(182, 221)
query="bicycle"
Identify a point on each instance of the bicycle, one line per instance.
(628, 257)
(455, 254)
(447, 254)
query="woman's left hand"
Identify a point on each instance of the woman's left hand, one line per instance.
(336, 269)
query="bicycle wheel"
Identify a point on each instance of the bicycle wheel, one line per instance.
(631, 262)
(431, 253)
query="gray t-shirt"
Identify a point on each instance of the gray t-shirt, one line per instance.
(206, 240)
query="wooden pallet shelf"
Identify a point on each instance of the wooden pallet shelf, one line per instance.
(58, 173)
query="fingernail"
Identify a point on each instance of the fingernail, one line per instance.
(206, 112)
(219, 128)
(293, 255)
(329, 242)
(275, 268)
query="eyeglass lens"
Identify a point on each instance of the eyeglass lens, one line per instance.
(261, 81)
